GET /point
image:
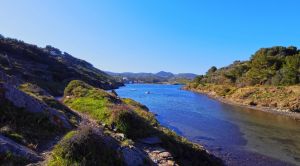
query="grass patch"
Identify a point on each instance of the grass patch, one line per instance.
(132, 120)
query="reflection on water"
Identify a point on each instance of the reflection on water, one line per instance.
(240, 136)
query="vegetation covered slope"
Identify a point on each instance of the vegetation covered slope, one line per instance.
(270, 79)
(268, 66)
(26, 124)
(134, 120)
(48, 67)
(99, 129)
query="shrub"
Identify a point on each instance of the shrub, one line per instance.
(84, 147)
(129, 123)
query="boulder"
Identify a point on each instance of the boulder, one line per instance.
(133, 156)
(8, 145)
(21, 99)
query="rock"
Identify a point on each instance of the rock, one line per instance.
(5, 129)
(120, 136)
(160, 156)
(8, 145)
(133, 156)
(151, 140)
(21, 99)
(170, 163)
(165, 155)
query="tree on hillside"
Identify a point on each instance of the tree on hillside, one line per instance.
(212, 70)
(199, 79)
(291, 70)
(266, 63)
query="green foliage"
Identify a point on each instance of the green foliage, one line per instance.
(212, 70)
(77, 88)
(84, 147)
(141, 110)
(291, 70)
(127, 116)
(268, 66)
(130, 123)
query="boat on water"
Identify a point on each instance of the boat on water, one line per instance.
(147, 92)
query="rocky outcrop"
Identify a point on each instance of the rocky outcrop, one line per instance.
(160, 156)
(8, 145)
(22, 100)
(134, 156)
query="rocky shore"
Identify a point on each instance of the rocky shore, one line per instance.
(277, 100)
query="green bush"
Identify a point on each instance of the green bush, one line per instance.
(84, 147)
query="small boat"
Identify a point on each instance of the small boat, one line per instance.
(147, 92)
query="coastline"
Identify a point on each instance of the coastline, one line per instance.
(276, 111)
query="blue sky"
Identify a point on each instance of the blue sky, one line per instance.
(154, 35)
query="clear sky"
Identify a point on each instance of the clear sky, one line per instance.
(154, 35)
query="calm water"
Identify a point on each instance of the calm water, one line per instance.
(240, 136)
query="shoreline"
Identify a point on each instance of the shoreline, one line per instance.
(276, 111)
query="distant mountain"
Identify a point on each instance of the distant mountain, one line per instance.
(165, 74)
(190, 76)
(48, 67)
(160, 77)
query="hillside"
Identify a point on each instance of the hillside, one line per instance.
(270, 79)
(160, 77)
(268, 66)
(99, 129)
(88, 126)
(48, 67)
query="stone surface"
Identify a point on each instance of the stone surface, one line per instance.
(160, 156)
(133, 156)
(22, 100)
(8, 145)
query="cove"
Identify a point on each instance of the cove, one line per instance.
(238, 135)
